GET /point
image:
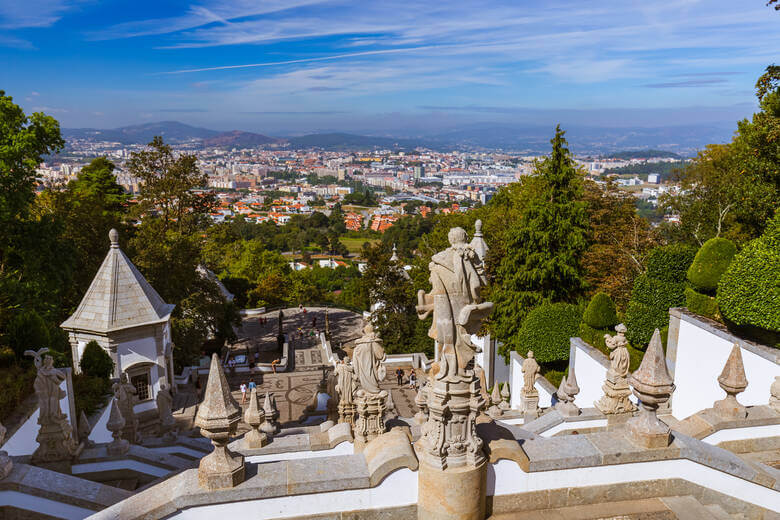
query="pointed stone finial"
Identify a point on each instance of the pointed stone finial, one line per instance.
(774, 394)
(218, 417)
(113, 237)
(495, 395)
(394, 258)
(733, 381)
(115, 425)
(567, 390)
(505, 397)
(269, 426)
(652, 385)
(495, 399)
(6, 464)
(478, 243)
(84, 429)
(478, 228)
(254, 416)
(421, 400)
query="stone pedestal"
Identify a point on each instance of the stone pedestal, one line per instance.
(453, 493)
(370, 422)
(530, 404)
(421, 401)
(56, 444)
(647, 430)
(615, 399)
(347, 413)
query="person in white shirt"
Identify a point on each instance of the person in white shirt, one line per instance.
(243, 392)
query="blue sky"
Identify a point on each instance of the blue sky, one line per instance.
(385, 66)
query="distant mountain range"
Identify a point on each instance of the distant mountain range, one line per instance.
(671, 140)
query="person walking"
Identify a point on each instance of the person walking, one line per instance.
(243, 392)
(252, 385)
(399, 376)
(412, 380)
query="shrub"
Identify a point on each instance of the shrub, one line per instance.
(658, 293)
(91, 393)
(17, 385)
(594, 337)
(601, 312)
(670, 263)
(749, 290)
(96, 362)
(547, 329)
(27, 331)
(701, 304)
(710, 263)
(641, 320)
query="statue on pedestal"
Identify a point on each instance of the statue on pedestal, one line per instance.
(529, 393)
(454, 394)
(165, 411)
(55, 437)
(616, 390)
(370, 400)
(125, 395)
(345, 388)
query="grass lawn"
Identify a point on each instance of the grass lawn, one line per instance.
(355, 245)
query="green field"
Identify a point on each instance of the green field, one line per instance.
(355, 245)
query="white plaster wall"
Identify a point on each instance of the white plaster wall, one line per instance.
(590, 377)
(111, 465)
(344, 448)
(701, 356)
(736, 434)
(516, 385)
(142, 350)
(23, 442)
(43, 505)
(99, 432)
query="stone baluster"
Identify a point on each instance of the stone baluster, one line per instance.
(218, 417)
(652, 385)
(254, 416)
(116, 424)
(6, 464)
(566, 393)
(733, 381)
(421, 400)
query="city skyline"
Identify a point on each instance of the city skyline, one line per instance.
(307, 66)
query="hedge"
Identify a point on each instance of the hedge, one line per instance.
(701, 304)
(710, 263)
(91, 393)
(641, 320)
(670, 263)
(658, 293)
(749, 290)
(601, 312)
(96, 362)
(547, 329)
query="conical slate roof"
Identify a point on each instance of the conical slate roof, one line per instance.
(118, 298)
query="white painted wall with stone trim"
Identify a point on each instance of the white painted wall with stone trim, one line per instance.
(496, 369)
(590, 365)
(697, 350)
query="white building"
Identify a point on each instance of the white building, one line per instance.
(130, 321)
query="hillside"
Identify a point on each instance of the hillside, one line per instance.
(641, 154)
(341, 141)
(171, 131)
(238, 139)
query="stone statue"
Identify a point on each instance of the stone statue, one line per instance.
(165, 409)
(457, 277)
(774, 394)
(345, 389)
(370, 400)
(56, 444)
(530, 370)
(616, 390)
(125, 395)
(367, 360)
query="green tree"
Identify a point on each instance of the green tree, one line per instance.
(96, 362)
(544, 247)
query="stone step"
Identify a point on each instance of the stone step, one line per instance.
(688, 508)
(643, 509)
(718, 512)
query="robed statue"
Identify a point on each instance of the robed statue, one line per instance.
(47, 386)
(367, 358)
(457, 278)
(618, 355)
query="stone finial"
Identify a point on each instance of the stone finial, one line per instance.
(269, 426)
(774, 394)
(84, 429)
(115, 425)
(478, 242)
(652, 385)
(113, 237)
(254, 416)
(218, 417)
(567, 390)
(733, 381)
(495, 400)
(394, 258)
(6, 464)
(421, 401)
(505, 397)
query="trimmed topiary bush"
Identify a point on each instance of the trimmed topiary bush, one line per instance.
(710, 263)
(601, 312)
(96, 362)
(657, 293)
(749, 290)
(641, 320)
(670, 263)
(701, 304)
(547, 329)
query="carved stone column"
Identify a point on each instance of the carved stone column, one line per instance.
(652, 385)
(370, 422)
(218, 417)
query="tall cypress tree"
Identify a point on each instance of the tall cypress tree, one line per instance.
(541, 262)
